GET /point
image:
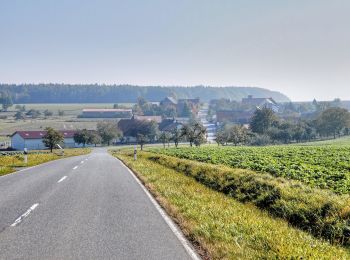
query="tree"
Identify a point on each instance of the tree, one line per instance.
(164, 137)
(332, 121)
(262, 119)
(82, 137)
(108, 131)
(60, 113)
(19, 115)
(94, 138)
(222, 137)
(176, 136)
(186, 111)
(194, 132)
(52, 138)
(238, 134)
(142, 140)
(6, 100)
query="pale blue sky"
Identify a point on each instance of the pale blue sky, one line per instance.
(298, 47)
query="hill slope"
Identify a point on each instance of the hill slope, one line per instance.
(64, 93)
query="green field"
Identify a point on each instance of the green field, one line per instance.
(326, 166)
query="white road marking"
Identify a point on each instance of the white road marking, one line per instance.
(174, 228)
(75, 167)
(19, 220)
(82, 162)
(62, 179)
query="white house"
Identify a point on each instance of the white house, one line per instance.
(32, 140)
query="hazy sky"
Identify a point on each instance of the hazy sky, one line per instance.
(298, 47)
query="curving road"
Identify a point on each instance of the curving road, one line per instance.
(85, 207)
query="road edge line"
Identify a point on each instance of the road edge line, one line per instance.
(168, 220)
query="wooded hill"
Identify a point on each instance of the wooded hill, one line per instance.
(94, 93)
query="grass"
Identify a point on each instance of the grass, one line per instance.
(339, 141)
(9, 163)
(223, 227)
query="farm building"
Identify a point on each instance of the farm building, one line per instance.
(106, 113)
(32, 140)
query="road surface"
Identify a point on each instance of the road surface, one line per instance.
(85, 207)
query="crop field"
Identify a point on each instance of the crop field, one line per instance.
(326, 167)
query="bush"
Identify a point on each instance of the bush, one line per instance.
(319, 212)
(260, 140)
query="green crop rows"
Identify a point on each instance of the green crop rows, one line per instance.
(326, 167)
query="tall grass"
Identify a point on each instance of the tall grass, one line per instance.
(220, 226)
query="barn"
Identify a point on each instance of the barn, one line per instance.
(32, 140)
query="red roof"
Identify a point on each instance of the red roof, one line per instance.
(41, 134)
(107, 110)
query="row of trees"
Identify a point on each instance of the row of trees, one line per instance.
(266, 127)
(193, 132)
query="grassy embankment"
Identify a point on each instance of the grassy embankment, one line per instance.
(223, 227)
(9, 163)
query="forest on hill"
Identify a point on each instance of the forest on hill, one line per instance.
(94, 93)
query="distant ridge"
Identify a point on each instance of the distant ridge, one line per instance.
(94, 93)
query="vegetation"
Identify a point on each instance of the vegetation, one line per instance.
(6, 100)
(64, 93)
(222, 227)
(108, 131)
(10, 161)
(194, 133)
(52, 138)
(325, 167)
(317, 211)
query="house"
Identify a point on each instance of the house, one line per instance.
(183, 107)
(168, 101)
(106, 113)
(234, 116)
(260, 103)
(33, 140)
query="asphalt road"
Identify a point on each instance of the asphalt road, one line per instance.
(85, 207)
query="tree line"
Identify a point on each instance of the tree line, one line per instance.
(94, 93)
(266, 128)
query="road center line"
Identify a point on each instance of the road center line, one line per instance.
(62, 179)
(24, 215)
(75, 167)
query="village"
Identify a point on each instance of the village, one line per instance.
(158, 122)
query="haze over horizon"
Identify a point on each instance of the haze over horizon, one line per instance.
(299, 48)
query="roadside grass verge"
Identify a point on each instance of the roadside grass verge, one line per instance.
(319, 212)
(9, 163)
(223, 227)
